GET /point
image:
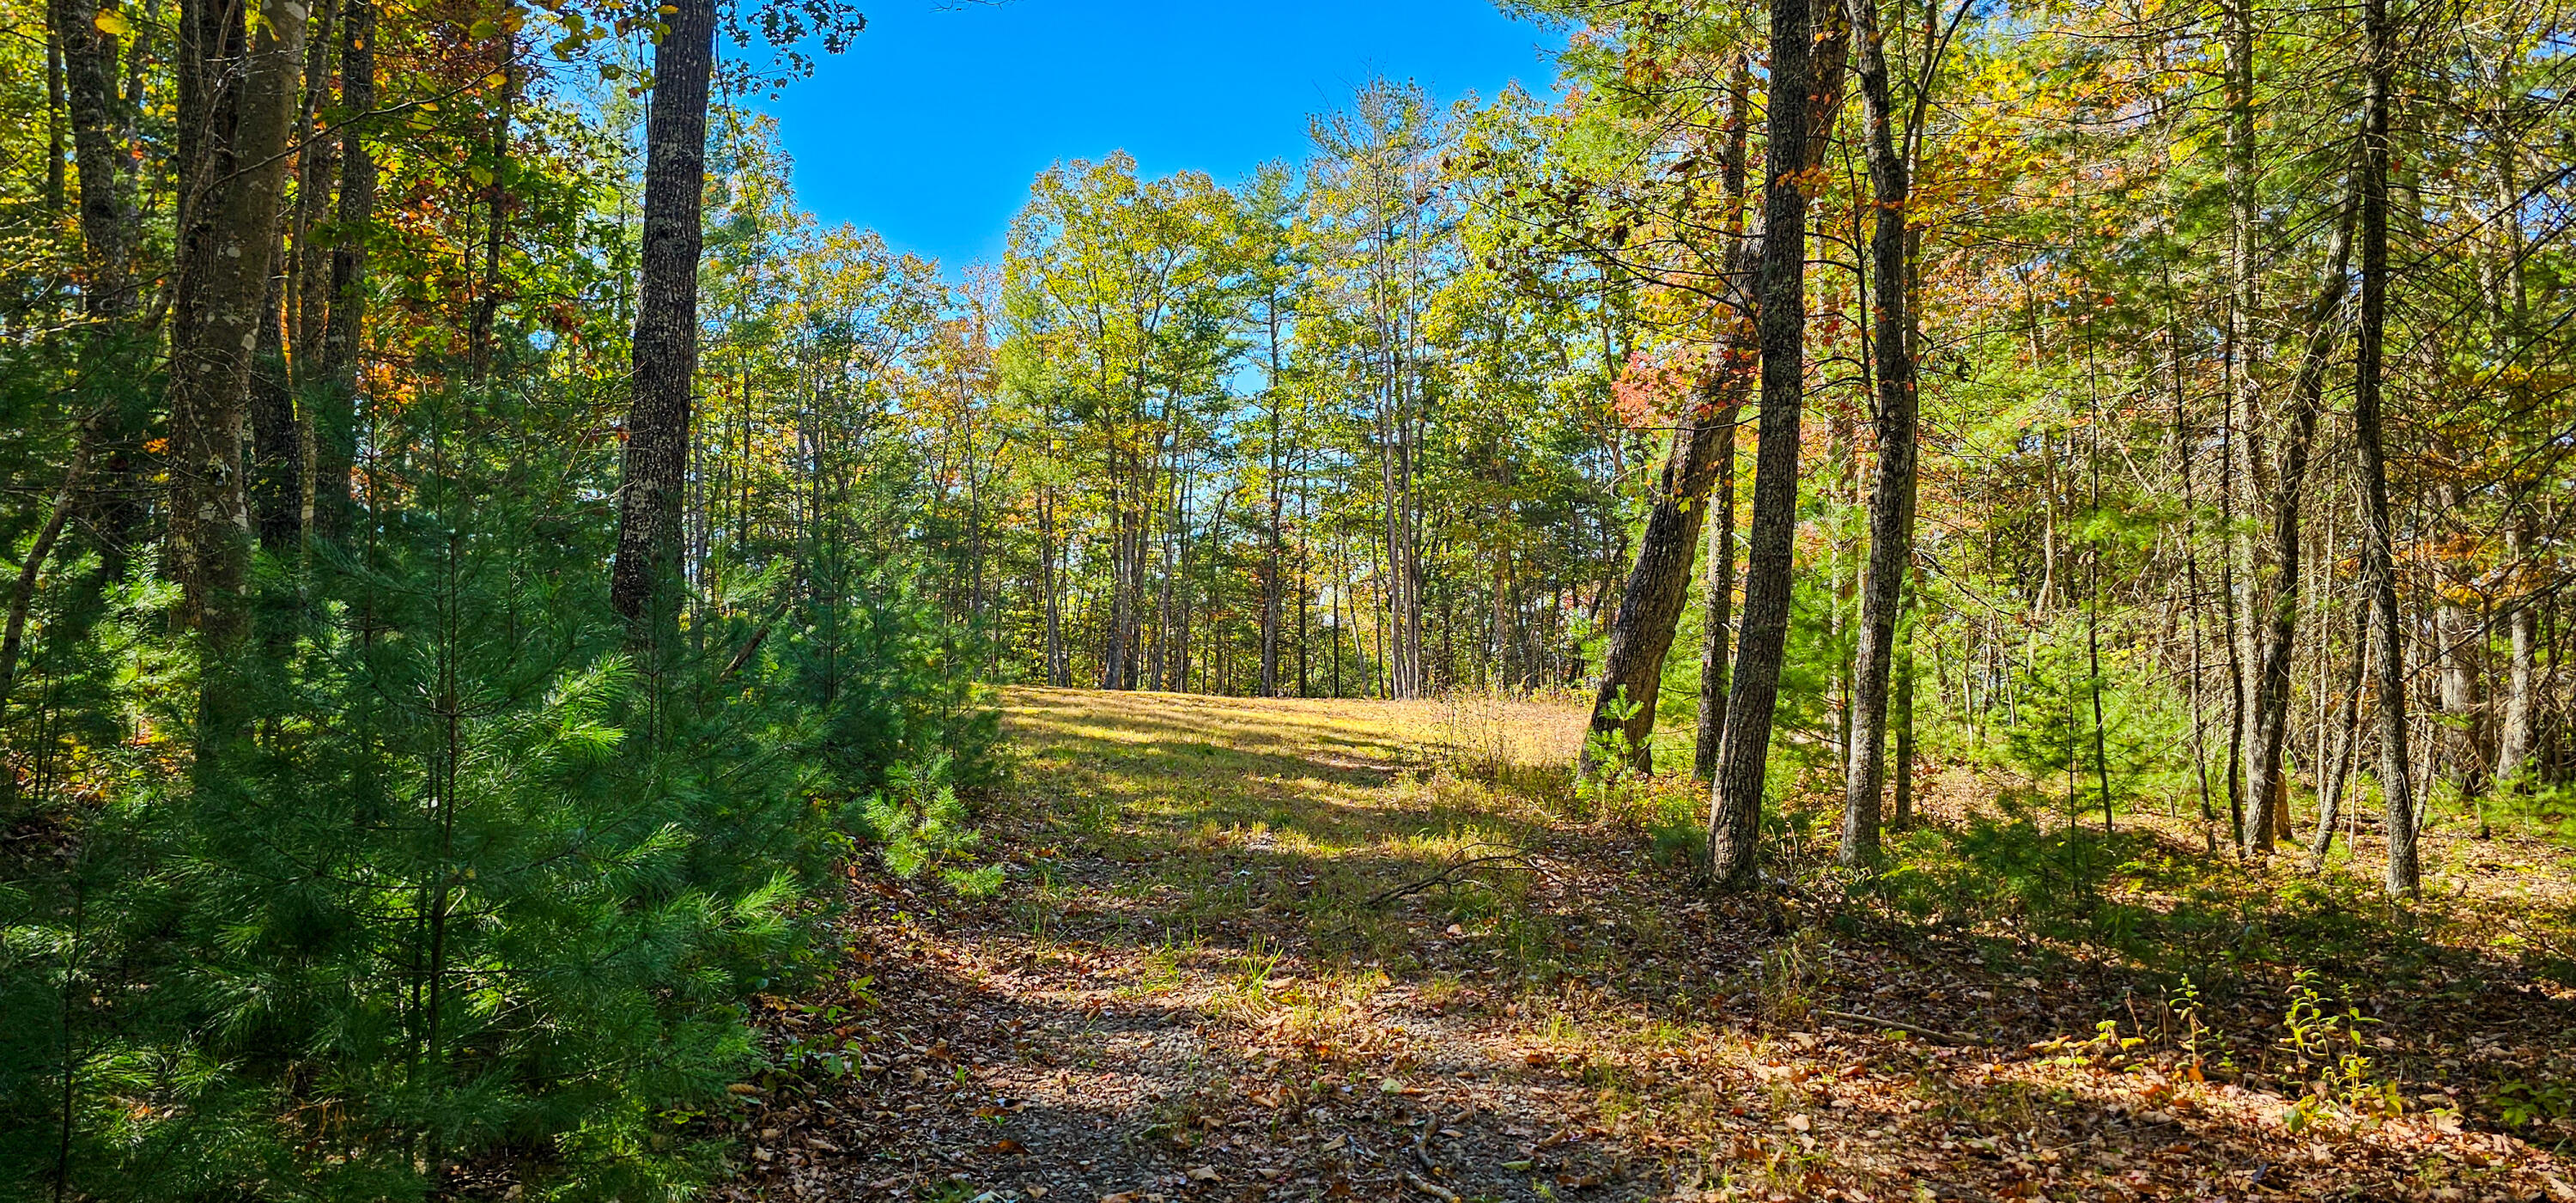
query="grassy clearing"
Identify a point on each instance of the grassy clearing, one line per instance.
(1306, 950)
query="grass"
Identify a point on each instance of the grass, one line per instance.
(1302, 886)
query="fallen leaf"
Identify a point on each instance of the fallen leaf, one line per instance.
(1800, 1123)
(1202, 1173)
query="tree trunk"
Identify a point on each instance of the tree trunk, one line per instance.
(1736, 797)
(1714, 648)
(2522, 626)
(2378, 536)
(2338, 775)
(102, 131)
(643, 585)
(1650, 604)
(277, 446)
(335, 418)
(232, 164)
(2280, 632)
(1891, 503)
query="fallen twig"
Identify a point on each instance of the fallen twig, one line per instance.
(1428, 1187)
(1444, 875)
(1893, 1025)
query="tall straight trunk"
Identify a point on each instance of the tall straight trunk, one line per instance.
(2237, 711)
(1736, 796)
(644, 583)
(2280, 633)
(2245, 484)
(2338, 774)
(102, 135)
(238, 94)
(277, 446)
(1891, 502)
(1903, 769)
(1716, 644)
(335, 376)
(2461, 752)
(102, 129)
(1658, 583)
(2516, 738)
(2378, 534)
(1274, 544)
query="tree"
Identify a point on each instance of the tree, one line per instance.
(644, 577)
(1780, 294)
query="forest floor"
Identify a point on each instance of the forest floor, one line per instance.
(1306, 950)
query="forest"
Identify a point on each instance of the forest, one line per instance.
(532, 665)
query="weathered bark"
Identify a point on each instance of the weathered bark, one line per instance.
(1903, 769)
(238, 87)
(277, 446)
(2338, 775)
(1716, 644)
(2461, 748)
(1650, 607)
(644, 583)
(335, 417)
(1744, 756)
(1891, 504)
(2378, 533)
(2281, 627)
(2514, 741)
(2244, 476)
(102, 133)
(1658, 583)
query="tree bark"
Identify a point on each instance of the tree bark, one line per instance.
(103, 132)
(1891, 505)
(1744, 756)
(2378, 533)
(644, 582)
(1658, 583)
(335, 416)
(2280, 632)
(1715, 646)
(238, 94)
(2522, 629)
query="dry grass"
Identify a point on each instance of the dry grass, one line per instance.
(1205, 980)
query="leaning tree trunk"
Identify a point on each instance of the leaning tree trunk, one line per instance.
(2280, 633)
(1650, 606)
(643, 585)
(1891, 503)
(1658, 584)
(2378, 535)
(238, 90)
(1781, 291)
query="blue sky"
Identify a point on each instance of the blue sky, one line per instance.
(930, 127)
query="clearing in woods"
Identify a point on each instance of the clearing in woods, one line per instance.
(1297, 950)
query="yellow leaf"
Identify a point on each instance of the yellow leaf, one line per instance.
(114, 25)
